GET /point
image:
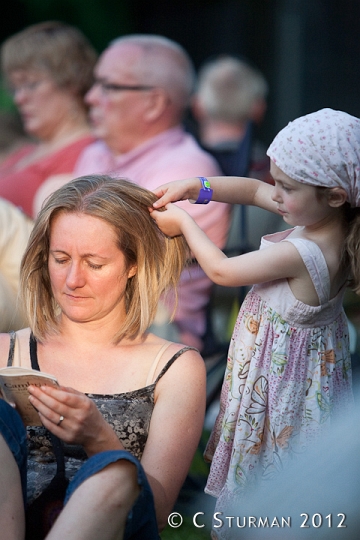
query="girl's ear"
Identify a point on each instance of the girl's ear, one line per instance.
(336, 196)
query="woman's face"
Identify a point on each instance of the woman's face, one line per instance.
(43, 106)
(88, 272)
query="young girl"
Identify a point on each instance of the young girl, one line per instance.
(288, 368)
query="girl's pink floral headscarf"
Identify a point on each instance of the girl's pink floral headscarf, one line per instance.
(321, 149)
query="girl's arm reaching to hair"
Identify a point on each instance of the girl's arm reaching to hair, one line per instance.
(281, 260)
(226, 189)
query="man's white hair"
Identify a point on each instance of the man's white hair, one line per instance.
(163, 63)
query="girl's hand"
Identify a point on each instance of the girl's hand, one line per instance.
(179, 190)
(82, 422)
(170, 220)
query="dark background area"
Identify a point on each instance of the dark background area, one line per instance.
(309, 50)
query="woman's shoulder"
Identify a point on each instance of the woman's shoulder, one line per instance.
(180, 378)
(177, 350)
(170, 348)
(175, 355)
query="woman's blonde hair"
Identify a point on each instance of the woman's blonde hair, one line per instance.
(62, 51)
(124, 206)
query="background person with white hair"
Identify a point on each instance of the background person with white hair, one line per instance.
(230, 94)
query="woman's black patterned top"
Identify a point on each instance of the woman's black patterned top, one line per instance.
(128, 413)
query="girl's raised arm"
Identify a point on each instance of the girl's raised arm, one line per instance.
(281, 260)
(226, 189)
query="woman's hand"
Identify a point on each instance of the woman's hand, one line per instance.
(170, 220)
(74, 418)
(179, 190)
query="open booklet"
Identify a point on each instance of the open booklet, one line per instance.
(14, 382)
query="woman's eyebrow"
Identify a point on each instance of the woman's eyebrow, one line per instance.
(84, 255)
(57, 251)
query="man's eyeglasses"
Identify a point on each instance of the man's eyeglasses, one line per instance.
(113, 87)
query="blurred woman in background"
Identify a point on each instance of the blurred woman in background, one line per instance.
(48, 68)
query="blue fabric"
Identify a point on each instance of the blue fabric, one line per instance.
(141, 522)
(14, 433)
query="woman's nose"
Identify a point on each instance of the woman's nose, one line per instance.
(19, 95)
(75, 277)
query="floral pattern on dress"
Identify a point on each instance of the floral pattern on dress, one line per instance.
(281, 386)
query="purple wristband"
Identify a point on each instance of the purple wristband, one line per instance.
(205, 193)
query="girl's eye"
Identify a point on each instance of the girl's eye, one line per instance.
(60, 261)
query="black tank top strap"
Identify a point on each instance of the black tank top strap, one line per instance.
(172, 360)
(11, 348)
(33, 352)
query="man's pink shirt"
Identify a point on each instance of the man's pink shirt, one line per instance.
(172, 155)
